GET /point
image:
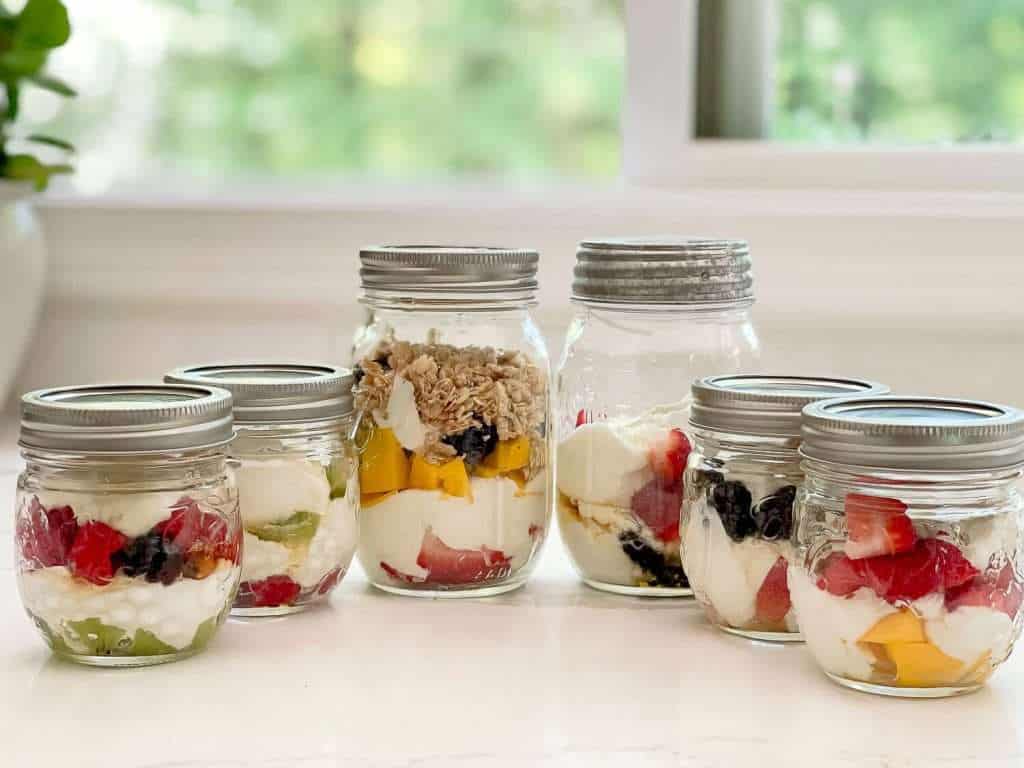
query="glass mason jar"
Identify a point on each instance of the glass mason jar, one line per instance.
(297, 479)
(909, 580)
(652, 315)
(741, 480)
(452, 391)
(127, 530)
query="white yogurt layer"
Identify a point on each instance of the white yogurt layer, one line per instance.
(271, 490)
(971, 631)
(499, 517)
(831, 625)
(133, 514)
(988, 537)
(332, 546)
(402, 416)
(606, 462)
(591, 535)
(727, 574)
(172, 613)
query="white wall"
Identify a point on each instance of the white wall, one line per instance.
(922, 292)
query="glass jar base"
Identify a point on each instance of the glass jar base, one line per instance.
(452, 592)
(765, 637)
(939, 692)
(111, 662)
(633, 591)
(276, 610)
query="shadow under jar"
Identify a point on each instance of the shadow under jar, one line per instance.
(127, 531)
(908, 579)
(297, 479)
(741, 482)
(651, 316)
(452, 392)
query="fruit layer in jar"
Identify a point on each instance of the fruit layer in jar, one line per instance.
(620, 489)
(736, 549)
(143, 575)
(911, 604)
(453, 468)
(300, 530)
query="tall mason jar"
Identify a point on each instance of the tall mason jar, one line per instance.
(652, 314)
(741, 481)
(127, 531)
(297, 479)
(908, 580)
(452, 392)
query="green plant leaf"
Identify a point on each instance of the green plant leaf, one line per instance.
(42, 24)
(28, 168)
(53, 84)
(51, 141)
(21, 62)
(13, 99)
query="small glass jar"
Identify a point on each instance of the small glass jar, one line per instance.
(652, 315)
(909, 580)
(297, 479)
(452, 391)
(741, 481)
(127, 531)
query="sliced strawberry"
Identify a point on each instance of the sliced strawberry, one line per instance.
(536, 531)
(1002, 591)
(447, 565)
(329, 582)
(581, 418)
(398, 575)
(269, 592)
(91, 552)
(933, 565)
(45, 535)
(659, 508)
(193, 531)
(667, 457)
(877, 526)
(773, 597)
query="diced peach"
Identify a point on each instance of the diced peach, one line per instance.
(900, 627)
(923, 665)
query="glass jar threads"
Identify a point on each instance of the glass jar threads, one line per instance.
(452, 391)
(297, 479)
(741, 482)
(651, 316)
(909, 577)
(127, 530)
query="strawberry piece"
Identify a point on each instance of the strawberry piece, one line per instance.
(659, 508)
(271, 591)
(448, 565)
(933, 565)
(581, 418)
(877, 526)
(667, 457)
(46, 535)
(195, 532)
(91, 553)
(773, 597)
(1001, 591)
(329, 582)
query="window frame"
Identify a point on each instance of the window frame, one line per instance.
(660, 148)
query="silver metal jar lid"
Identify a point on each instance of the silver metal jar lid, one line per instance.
(276, 392)
(424, 269)
(918, 433)
(126, 418)
(663, 270)
(759, 404)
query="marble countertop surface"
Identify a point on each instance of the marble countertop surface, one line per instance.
(552, 675)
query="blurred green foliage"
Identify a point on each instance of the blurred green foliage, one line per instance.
(900, 71)
(395, 88)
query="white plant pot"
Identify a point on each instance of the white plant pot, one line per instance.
(22, 277)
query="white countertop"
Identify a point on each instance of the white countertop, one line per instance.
(552, 675)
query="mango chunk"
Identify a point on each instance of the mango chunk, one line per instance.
(454, 478)
(509, 455)
(383, 466)
(483, 471)
(901, 627)
(922, 665)
(451, 477)
(424, 475)
(368, 500)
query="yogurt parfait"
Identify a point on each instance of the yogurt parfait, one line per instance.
(297, 479)
(127, 530)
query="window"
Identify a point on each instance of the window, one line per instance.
(251, 89)
(869, 71)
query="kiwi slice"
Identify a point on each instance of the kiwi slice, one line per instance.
(298, 528)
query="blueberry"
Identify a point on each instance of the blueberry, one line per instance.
(773, 515)
(731, 500)
(474, 444)
(660, 573)
(706, 478)
(151, 556)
